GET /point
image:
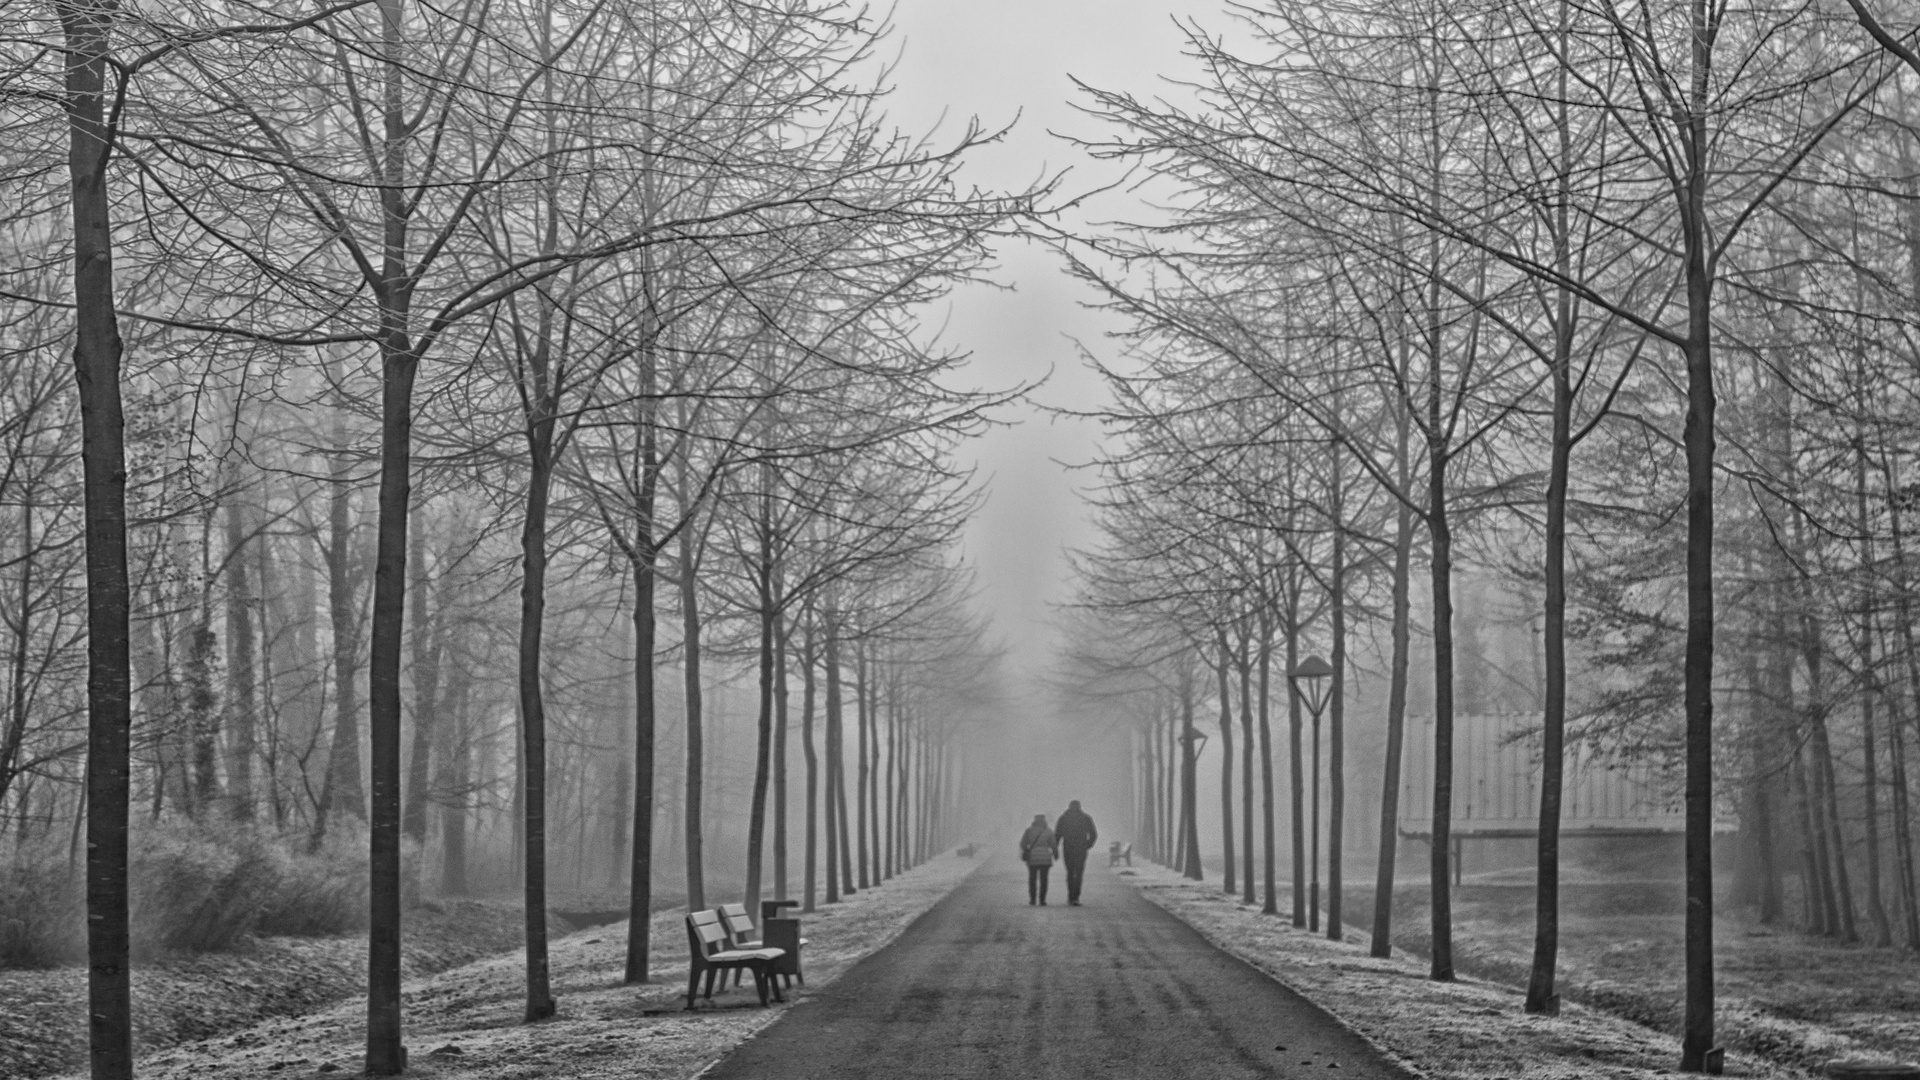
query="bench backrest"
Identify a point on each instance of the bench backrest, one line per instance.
(734, 917)
(705, 935)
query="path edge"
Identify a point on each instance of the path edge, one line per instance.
(1257, 962)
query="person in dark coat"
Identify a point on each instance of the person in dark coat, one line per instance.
(1076, 834)
(1037, 848)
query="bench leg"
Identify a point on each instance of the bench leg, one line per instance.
(711, 972)
(760, 983)
(693, 984)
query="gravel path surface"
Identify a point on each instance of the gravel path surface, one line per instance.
(984, 985)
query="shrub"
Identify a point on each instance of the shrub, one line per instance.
(42, 924)
(193, 888)
(200, 888)
(321, 894)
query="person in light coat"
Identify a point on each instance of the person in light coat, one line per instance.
(1038, 846)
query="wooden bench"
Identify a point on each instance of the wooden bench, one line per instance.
(712, 954)
(1117, 852)
(777, 933)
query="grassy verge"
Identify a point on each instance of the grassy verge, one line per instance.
(1471, 1028)
(1787, 997)
(182, 998)
(466, 1023)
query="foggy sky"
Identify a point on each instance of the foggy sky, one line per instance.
(998, 59)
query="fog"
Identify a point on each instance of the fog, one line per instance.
(659, 456)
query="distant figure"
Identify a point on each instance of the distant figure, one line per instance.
(1076, 835)
(1037, 845)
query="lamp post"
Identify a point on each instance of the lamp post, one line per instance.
(1311, 680)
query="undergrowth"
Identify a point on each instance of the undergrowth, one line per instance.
(194, 888)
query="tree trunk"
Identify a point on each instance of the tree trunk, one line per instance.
(1272, 904)
(808, 686)
(1903, 830)
(1398, 665)
(1903, 618)
(1226, 769)
(386, 1056)
(836, 853)
(907, 820)
(203, 705)
(1296, 765)
(763, 743)
(242, 721)
(893, 761)
(837, 827)
(1542, 997)
(619, 825)
(15, 731)
(780, 871)
(87, 26)
(1876, 911)
(1440, 571)
(429, 606)
(1248, 894)
(533, 712)
(696, 758)
(340, 787)
(1697, 1026)
(457, 781)
(874, 781)
(643, 554)
(1440, 532)
(864, 778)
(1150, 789)
(1816, 895)
(1189, 777)
(1336, 715)
(1835, 839)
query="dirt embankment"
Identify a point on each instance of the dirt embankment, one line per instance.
(180, 999)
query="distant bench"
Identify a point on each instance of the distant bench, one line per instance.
(1118, 852)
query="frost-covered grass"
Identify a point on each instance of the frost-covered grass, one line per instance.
(1447, 1031)
(466, 1023)
(1789, 997)
(186, 997)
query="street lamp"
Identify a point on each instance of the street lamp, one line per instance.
(1311, 680)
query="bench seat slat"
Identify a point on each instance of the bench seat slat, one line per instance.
(747, 954)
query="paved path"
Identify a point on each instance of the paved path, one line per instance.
(984, 985)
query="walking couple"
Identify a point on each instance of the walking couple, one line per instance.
(1071, 838)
